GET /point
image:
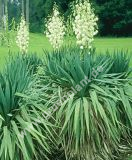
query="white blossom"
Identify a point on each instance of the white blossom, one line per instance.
(55, 29)
(22, 38)
(84, 24)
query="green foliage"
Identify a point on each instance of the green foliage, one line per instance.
(7, 35)
(13, 79)
(114, 15)
(4, 38)
(120, 62)
(39, 10)
(33, 61)
(96, 121)
(23, 130)
(93, 123)
(69, 67)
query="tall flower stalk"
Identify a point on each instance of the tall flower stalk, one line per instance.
(84, 24)
(55, 29)
(22, 38)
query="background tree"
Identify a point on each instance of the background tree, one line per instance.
(23, 13)
(115, 16)
(1, 14)
(27, 11)
(6, 14)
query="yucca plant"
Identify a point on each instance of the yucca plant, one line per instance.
(94, 104)
(33, 61)
(24, 133)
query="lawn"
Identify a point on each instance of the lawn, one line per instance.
(38, 43)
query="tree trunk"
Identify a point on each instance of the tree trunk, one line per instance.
(6, 15)
(27, 12)
(1, 15)
(23, 8)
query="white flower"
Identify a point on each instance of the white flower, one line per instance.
(84, 24)
(81, 47)
(22, 39)
(55, 29)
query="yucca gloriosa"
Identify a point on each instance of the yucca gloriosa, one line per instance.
(97, 120)
(23, 132)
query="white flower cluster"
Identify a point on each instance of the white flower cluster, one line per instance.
(22, 38)
(84, 24)
(55, 29)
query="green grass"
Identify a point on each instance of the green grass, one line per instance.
(38, 42)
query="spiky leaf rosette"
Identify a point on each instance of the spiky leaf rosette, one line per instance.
(24, 133)
(95, 117)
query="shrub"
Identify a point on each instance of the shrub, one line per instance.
(96, 120)
(24, 134)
